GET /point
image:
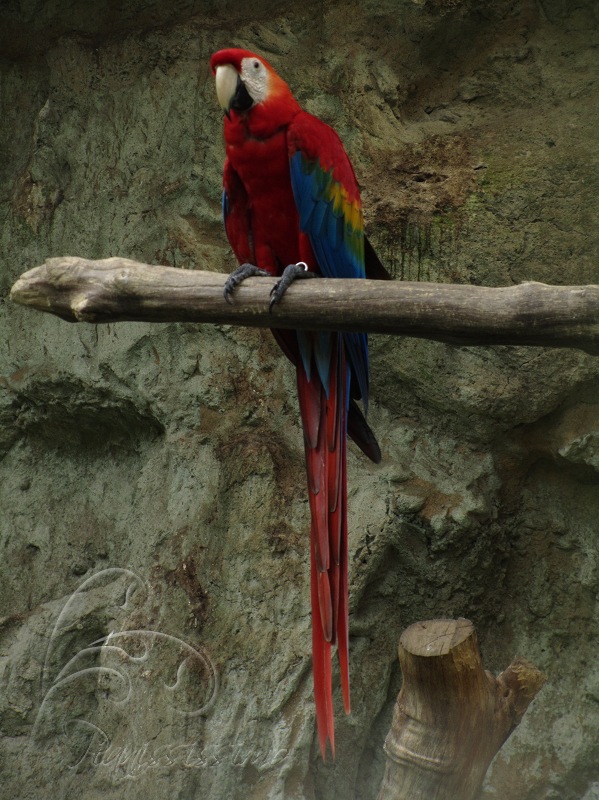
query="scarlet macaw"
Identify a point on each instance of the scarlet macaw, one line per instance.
(292, 208)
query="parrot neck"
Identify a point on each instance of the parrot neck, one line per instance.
(262, 121)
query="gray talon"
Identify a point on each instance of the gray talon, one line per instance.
(291, 273)
(239, 275)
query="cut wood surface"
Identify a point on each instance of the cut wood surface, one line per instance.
(451, 715)
(113, 289)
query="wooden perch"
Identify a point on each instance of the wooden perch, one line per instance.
(78, 289)
(451, 716)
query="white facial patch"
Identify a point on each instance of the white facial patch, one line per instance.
(255, 77)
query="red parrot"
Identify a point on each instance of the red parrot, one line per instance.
(292, 208)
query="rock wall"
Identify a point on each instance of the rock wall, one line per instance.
(154, 608)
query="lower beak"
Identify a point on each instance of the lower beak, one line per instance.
(242, 100)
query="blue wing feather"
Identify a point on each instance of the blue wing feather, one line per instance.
(225, 205)
(319, 214)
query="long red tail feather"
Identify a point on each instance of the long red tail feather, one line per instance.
(324, 419)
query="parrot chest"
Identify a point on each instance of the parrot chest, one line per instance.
(263, 167)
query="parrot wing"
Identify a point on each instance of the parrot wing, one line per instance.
(327, 197)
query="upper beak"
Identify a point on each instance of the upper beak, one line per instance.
(231, 90)
(226, 85)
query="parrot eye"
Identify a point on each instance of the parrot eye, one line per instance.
(256, 65)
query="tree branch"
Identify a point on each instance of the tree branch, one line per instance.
(81, 290)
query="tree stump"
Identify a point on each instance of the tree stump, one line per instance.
(451, 715)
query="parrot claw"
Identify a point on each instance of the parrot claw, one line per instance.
(290, 274)
(239, 275)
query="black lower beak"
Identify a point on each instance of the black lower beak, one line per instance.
(241, 99)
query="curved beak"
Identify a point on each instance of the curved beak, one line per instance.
(231, 91)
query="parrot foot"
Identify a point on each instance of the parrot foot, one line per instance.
(291, 273)
(239, 275)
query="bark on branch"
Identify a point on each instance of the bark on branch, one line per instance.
(78, 289)
(451, 715)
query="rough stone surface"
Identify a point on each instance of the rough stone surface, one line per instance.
(151, 476)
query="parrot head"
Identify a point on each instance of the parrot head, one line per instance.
(245, 81)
